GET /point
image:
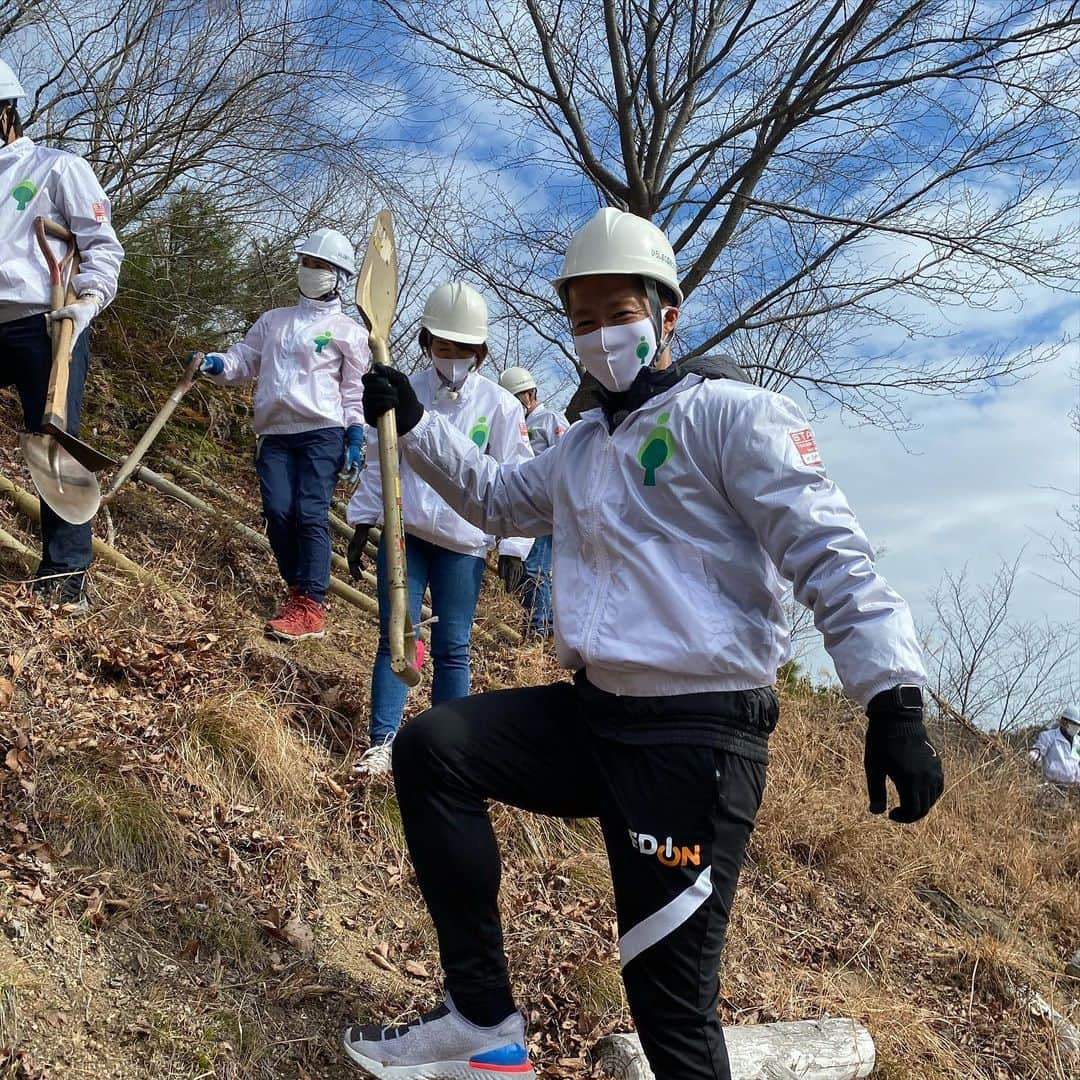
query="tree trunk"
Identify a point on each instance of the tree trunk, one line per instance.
(807, 1049)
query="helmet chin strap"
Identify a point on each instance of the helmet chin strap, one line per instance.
(656, 313)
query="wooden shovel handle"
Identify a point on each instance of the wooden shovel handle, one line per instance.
(402, 636)
(61, 273)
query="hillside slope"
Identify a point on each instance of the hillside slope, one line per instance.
(194, 885)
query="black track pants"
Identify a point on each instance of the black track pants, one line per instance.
(676, 820)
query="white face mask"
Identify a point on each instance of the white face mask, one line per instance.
(315, 282)
(454, 372)
(614, 355)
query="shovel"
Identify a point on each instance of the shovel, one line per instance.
(131, 462)
(61, 465)
(376, 297)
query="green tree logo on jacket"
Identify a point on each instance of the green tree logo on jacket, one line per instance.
(479, 433)
(656, 450)
(323, 340)
(23, 193)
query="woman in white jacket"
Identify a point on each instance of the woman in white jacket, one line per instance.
(443, 551)
(308, 360)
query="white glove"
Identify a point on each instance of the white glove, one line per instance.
(80, 313)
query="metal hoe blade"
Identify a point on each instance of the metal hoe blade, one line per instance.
(65, 485)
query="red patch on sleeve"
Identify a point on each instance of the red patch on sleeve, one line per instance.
(524, 432)
(807, 447)
(101, 211)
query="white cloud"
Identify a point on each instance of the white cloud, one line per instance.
(978, 480)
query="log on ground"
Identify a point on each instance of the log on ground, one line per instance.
(831, 1049)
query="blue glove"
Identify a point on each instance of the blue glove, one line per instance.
(354, 456)
(212, 364)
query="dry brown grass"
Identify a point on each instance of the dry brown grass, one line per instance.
(240, 748)
(167, 745)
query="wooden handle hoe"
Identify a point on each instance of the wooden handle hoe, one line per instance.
(376, 297)
(131, 462)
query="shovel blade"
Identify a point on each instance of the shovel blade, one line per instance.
(65, 484)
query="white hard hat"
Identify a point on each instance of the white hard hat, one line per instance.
(331, 246)
(1071, 713)
(615, 242)
(10, 87)
(517, 380)
(457, 312)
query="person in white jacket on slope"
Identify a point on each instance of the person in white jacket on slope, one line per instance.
(546, 426)
(308, 360)
(676, 509)
(443, 551)
(38, 181)
(1057, 750)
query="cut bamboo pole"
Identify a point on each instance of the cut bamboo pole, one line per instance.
(15, 544)
(30, 507)
(831, 1049)
(343, 529)
(257, 539)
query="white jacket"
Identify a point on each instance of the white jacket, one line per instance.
(309, 360)
(37, 181)
(487, 418)
(667, 539)
(1058, 758)
(546, 426)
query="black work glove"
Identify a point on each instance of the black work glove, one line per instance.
(511, 571)
(897, 747)
(355, 555)
(386, 388)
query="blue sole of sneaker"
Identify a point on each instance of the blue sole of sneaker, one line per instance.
(437, 1070)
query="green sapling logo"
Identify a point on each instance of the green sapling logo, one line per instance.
(23, 192)
(643, 350)
(323, 340)
(479, 433)
(656, 450)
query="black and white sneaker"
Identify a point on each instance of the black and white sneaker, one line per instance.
(65, 592)
(441, 1045)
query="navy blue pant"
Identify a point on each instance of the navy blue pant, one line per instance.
(26, 363)
(297, 474)
(454, 580)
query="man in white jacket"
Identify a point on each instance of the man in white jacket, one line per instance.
(444, 552)
(308, 360)
(36, 181)
(1057, 751)
(546, 426)
(676, 508)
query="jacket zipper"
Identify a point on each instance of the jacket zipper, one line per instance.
(603, 566)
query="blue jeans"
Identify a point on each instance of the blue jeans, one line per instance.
(454, 580)
(297, 474)
(26, 363)
(536, 586)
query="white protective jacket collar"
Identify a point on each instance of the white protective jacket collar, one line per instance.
(308, 360)
(38, 181)
(486, 417)
(672, 539)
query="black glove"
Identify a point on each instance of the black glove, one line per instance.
(386, 388)
(898, 747)
(511, 571)
(355, 556)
